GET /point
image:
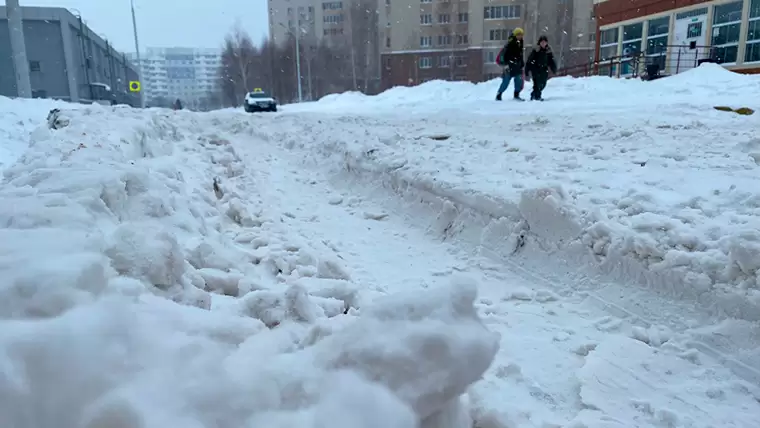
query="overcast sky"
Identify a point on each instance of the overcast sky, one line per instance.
(167, 23)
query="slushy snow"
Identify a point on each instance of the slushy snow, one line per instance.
(423, 258)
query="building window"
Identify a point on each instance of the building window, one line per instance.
(332, 19)
(657, 36)
(444, 40)
(387, 42)
(464, 17)
(34, 66)
(426, 19)
(387, 63)
(694, 30)
(426, 62)
(502, 12)
(632, 37)
(426, 41)
(727, 21)
(752, 49)
(426, 1)
(490, 57)
(608, 44)
(333, 5)
(444, 62)
(39, 93)
(463, 39)
(499, 34)
(460, 61)
(444, 18)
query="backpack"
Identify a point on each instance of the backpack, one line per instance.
(500, 58)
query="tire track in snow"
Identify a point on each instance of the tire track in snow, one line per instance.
(642, 307)
(546, 337)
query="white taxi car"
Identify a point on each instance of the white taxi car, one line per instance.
(258, 100)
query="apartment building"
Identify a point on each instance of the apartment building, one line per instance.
(288, 17)
(189, 74)
(459, 39)
(679, 33)
(315, 20)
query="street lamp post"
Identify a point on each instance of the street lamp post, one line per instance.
(18, 48)
(298, 59)
(137, 51)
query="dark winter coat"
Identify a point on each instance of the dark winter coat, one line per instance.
(513, 56)
(540, 61)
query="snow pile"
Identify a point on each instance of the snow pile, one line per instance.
(665, 195)
(17, 119)
(463, 97)
(144, 285)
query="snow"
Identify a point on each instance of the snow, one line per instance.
(644, 180)
(141, 274)
(19, 118)
(422, 258)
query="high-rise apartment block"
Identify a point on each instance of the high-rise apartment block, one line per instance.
(189, 74)
(424, 40)
(315, 20)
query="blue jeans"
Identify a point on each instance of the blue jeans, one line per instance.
(506, 78)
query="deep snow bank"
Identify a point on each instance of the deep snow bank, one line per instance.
(664, 196)
(18, 117)
(144, 285)
(429, 97)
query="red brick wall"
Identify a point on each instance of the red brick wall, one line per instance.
(401, 69)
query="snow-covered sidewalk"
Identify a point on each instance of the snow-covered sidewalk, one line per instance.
(565, 360)
(660, 191)
(146, 284)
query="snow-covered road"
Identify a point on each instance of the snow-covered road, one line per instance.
(319, 266)
(571, 349)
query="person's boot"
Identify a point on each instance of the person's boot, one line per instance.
(517, 97)
(498, 96)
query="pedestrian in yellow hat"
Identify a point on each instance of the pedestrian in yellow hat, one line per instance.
(511, 58)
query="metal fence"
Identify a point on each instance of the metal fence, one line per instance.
(662, 61)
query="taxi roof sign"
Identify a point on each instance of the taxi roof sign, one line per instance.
(257, 90)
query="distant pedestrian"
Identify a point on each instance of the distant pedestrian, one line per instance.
(540, 61)
(511, 58)
(177, 104)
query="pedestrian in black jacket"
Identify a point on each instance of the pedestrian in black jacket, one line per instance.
(511, 58)
(540, 61)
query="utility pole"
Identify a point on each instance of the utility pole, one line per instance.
(298, 64)
(18, 48)
(137, 52)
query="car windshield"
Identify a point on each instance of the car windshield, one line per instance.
(258, 95)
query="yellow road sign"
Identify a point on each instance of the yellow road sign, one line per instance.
(134, 86)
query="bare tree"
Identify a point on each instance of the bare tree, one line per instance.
(239, 58)
(272, 67)
(363, 39)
